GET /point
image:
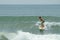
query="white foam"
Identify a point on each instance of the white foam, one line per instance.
(7, 35)
(37, 23)
(48, 24)
(29, 36)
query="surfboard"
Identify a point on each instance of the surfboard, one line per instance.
(41, 28)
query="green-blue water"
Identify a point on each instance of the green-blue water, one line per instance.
(9, 25)
(21, 22)
(30, 10)
(26, 23)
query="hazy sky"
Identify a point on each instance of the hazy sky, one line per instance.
(29, 1)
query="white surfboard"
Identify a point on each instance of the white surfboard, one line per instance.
(41, 28)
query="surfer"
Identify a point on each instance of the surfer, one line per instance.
(42, 22)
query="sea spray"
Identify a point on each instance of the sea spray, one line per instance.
(29, 36)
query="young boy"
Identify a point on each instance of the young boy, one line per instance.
(42, 22)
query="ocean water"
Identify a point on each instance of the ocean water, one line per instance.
(27, 28)
(30, 10)
(18, 24)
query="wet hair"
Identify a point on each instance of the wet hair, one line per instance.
(40, 17)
